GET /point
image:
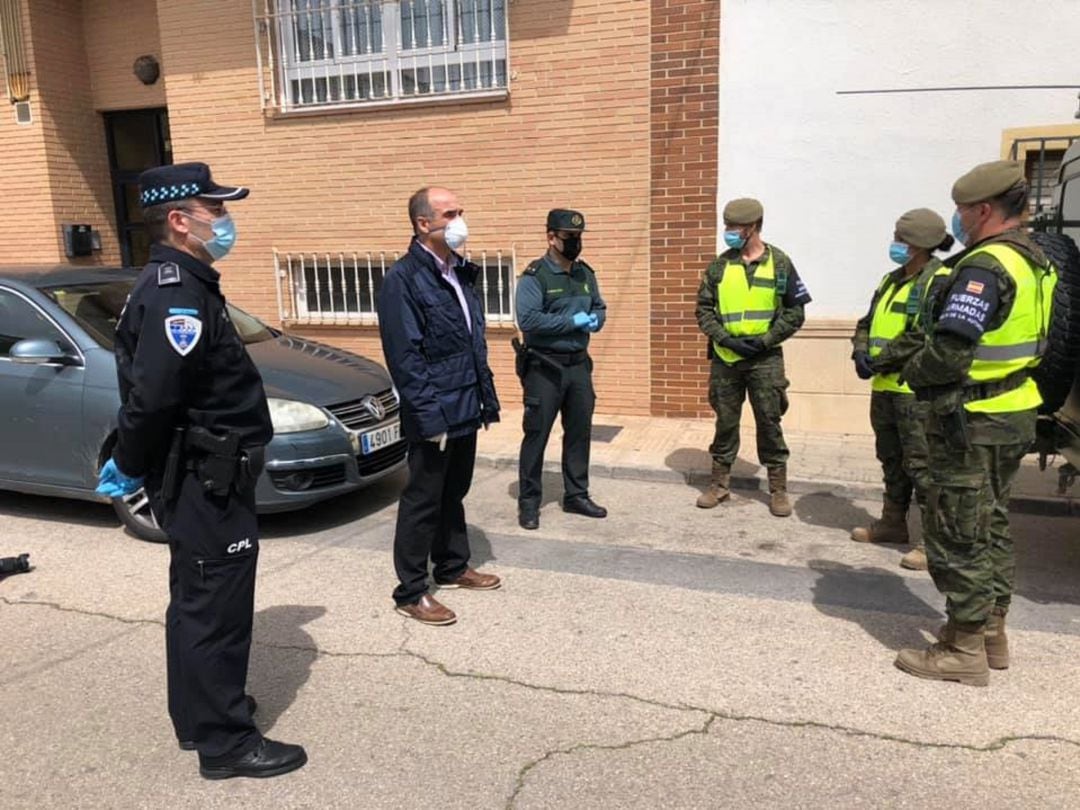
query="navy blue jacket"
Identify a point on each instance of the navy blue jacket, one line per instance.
(439, 369)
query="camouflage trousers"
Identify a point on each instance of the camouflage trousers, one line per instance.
(762, 379)
(899, 422)
(968, 546)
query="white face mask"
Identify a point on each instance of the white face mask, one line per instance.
(456, 233)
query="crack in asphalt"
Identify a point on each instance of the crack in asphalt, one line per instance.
(519, 785)
(712, 715)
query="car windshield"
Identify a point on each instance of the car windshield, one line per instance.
(97, 307)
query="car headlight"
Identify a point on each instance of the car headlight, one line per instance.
(290, 416)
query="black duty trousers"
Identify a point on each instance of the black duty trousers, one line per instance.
(214, 545)
(431, 516)
(547, 394)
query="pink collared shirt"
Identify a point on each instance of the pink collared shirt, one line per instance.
(451, 276)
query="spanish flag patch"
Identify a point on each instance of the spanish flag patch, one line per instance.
(975, 287)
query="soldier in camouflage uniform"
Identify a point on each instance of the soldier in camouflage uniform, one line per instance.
(988, 331)
(750, 301)
(888, 335)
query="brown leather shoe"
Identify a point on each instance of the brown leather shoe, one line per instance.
(428, 611)
(473, 580)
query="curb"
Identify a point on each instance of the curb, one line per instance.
(1055, 506)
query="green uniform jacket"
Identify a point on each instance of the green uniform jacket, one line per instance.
(946, 357)
(790, 314)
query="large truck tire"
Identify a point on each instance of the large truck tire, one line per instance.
(1058, 368)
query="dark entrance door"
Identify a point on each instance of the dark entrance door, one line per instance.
(138, 140)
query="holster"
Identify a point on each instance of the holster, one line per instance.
(948, 409)
(214, 459)
(525, 355)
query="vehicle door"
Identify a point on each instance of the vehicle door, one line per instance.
(41, 404)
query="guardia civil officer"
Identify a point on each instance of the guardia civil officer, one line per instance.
(558, 308)
(885, 338)
(192, 425)
(988, 331)
(750, 301)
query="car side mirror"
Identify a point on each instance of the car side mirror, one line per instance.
(38, 351)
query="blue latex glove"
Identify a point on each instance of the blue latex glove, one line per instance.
(862, 365)
(581, 320)
(594, 322)
(113, 483)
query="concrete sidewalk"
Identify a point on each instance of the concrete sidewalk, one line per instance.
(659, 449)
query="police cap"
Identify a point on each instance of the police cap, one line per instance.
(986, 181)
(744, 211)
(183, 181)
(922, 228)
(563, 219)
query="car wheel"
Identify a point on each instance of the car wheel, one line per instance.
(134, 512)
(1057, 370)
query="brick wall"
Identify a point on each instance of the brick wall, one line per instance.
(684, 66)
(573, 133)
(117, 32)
(25, 177)
(57, 168)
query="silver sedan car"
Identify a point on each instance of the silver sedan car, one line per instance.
(335, 414)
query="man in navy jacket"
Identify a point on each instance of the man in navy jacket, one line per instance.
(431, 321)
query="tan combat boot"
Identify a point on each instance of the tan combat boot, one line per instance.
(915, 560)
(961, 659)
(890, 528)
(997, 644)
(779, 504)
(719, 488)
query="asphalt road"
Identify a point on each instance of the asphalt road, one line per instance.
(665, 657)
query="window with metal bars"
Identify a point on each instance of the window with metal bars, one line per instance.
(335, 53)
(340, 288)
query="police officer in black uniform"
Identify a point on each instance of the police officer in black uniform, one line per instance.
(558, 308)
(193, 422)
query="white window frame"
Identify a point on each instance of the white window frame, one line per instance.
(390, 62)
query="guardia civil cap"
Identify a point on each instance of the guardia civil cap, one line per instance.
(922, 228)
(743, 211)
(563, 219)
(986, 181)
(183, 181)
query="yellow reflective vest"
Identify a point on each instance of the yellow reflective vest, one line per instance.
(1019, 342)
(896, 311)
(746, 306)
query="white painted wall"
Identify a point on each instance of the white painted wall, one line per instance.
(835, 171)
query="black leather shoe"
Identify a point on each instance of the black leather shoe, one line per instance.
(583, 505)
(529, 520)
(189, 745)
(268, 758)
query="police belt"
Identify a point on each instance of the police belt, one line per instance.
(562, 358)
(218, 461)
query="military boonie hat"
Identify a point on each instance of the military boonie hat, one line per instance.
(986, 181)
(743, 211)
(182, 182)
(921, 227)
(564, 219)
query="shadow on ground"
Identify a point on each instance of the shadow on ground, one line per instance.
(878, 600)
(282, 654)
(336, 512)
(550, 482)
(58, 510)
(831, 511)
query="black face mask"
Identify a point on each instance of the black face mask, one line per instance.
(571, 247)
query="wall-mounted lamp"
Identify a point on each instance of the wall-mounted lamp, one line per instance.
(146, 69)
(16, 65)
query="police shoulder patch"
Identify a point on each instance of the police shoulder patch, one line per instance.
(168, 273)
(183, 333)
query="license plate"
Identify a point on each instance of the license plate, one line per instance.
(378, 439)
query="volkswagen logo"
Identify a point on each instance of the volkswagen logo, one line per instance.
(374, 407)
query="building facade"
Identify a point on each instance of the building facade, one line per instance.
(644, 114)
